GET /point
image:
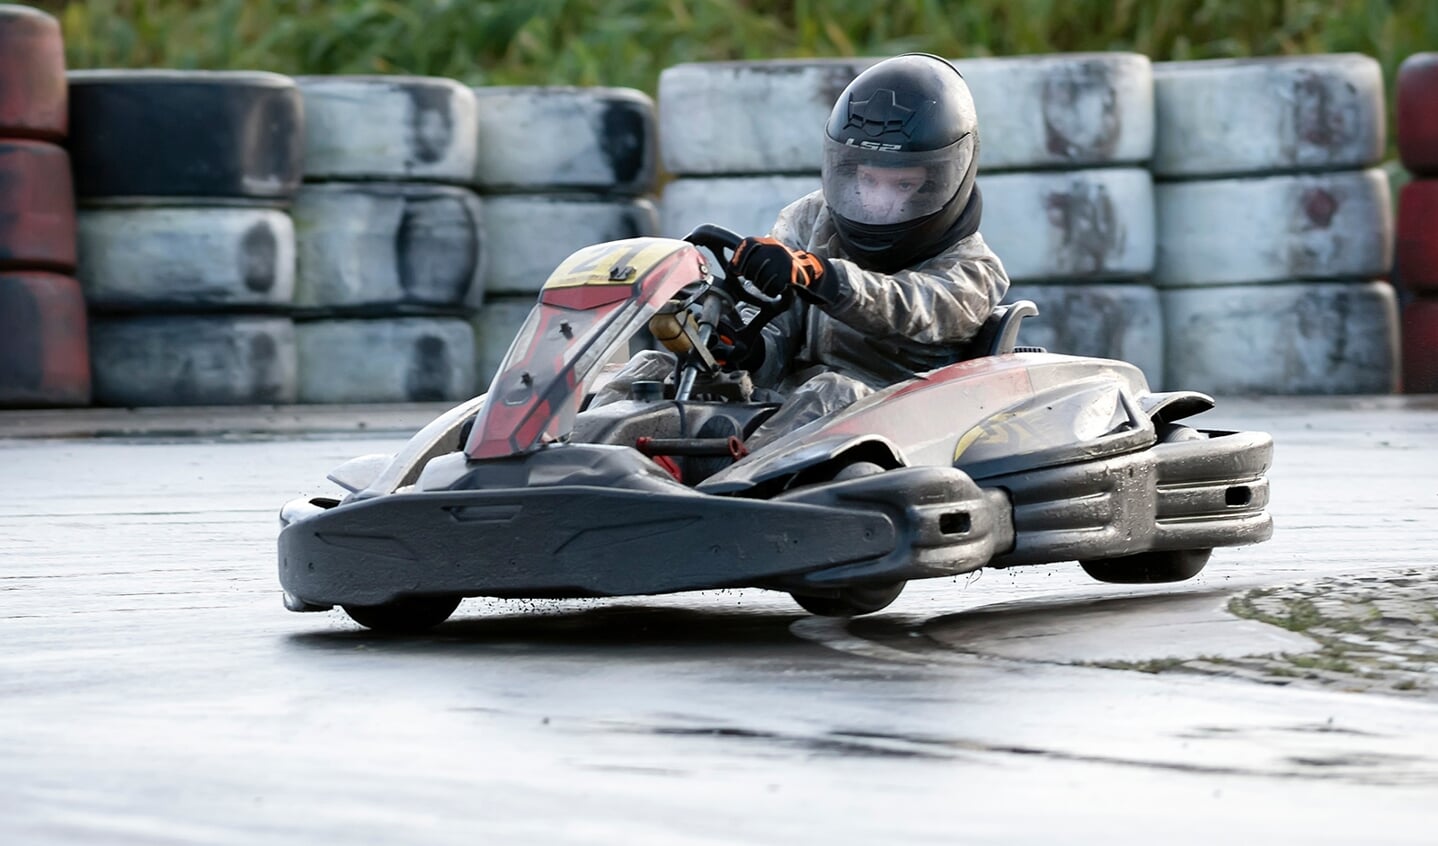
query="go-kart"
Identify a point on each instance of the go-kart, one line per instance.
(1008, 456)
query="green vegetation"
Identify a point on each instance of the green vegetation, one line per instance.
(628, 42)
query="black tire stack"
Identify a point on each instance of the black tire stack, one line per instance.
(391, 240)
(1068, 200)
(560, 168)
(44, 349)
(1274, 226)
(186, 246)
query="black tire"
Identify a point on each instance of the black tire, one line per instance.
(1144, 568)
(851, 601)
(407, 615)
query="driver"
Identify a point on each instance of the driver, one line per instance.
(886, 258)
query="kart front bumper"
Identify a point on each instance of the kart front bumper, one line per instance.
(575, 540)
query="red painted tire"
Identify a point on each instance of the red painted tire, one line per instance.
(33, 97)
(1417, 113)
(1416, 250)
(37, 207)
(1420, 346)
(44, 348)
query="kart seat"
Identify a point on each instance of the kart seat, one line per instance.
(1000, 333)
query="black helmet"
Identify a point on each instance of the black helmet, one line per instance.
(900, 153)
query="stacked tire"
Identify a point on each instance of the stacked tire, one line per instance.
(390, 240)
(185, 243)
(743, 139)
(1068, 200)
(1416, 259)
(44, 349)
(1274, 226)
(560, 168)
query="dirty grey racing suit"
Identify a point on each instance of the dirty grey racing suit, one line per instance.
(879, 328)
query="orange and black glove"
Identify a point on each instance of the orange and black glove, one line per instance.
(773, 267)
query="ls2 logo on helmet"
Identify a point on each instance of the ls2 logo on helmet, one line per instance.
(874, 145)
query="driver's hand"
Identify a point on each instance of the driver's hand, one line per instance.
(773, 267)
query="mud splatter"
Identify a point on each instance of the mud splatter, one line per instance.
(624, 138)
(1087, 223)
(430, 124)
(1080, 109)
(427, 378)
(259, 257)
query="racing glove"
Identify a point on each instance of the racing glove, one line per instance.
(773, 267)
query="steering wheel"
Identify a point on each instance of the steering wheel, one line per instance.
(718, 239)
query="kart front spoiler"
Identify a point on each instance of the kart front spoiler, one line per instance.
(576, 540)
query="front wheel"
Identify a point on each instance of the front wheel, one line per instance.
(406, 615)
(1169, 565)
(850, 601)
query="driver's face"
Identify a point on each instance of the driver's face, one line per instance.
(884, 192)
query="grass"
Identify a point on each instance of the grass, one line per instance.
(628, 42)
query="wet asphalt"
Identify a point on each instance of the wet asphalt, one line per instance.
(153, 689)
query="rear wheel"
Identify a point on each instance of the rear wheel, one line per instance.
(1169, 565)
(851, 601)
(408, 614)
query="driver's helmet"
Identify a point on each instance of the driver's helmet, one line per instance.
(900, 152)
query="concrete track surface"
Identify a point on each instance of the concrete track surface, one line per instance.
(153, 690)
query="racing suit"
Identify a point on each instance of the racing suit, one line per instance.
(874, 329)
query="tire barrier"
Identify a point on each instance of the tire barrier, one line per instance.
(1417, 113)
(396, 359)
(1074, 110)
(552, 138)
(539, 231)
(175, 259)
(387, 247)
(33, 96)
(37, 207)
(745, 204)
(185, 137)
(1330, 225)
(44, 347)
(1420, 345)
(390, 239)
(749, 118)
(1286, 338)
(397, 128)
(1226, 117)
(1119, 321)
(1416, 247)
(44, 343)
(1071, 225)
(495, 327)
(1268, 207)
(194, 360)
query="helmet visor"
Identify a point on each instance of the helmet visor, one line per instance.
(870, 185)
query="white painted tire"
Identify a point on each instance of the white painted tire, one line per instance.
(1082, 224)
(557, 138)
(745, 204)
(405, 359)
(389, 127)
(1222, 117)
(370, 246)
(720, 118)
(1291, 338)
(193, 360)
(1065, 110)
(530, 234)
(181, 257)
(1118, 321)
(1308, 226)
(495, 327)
